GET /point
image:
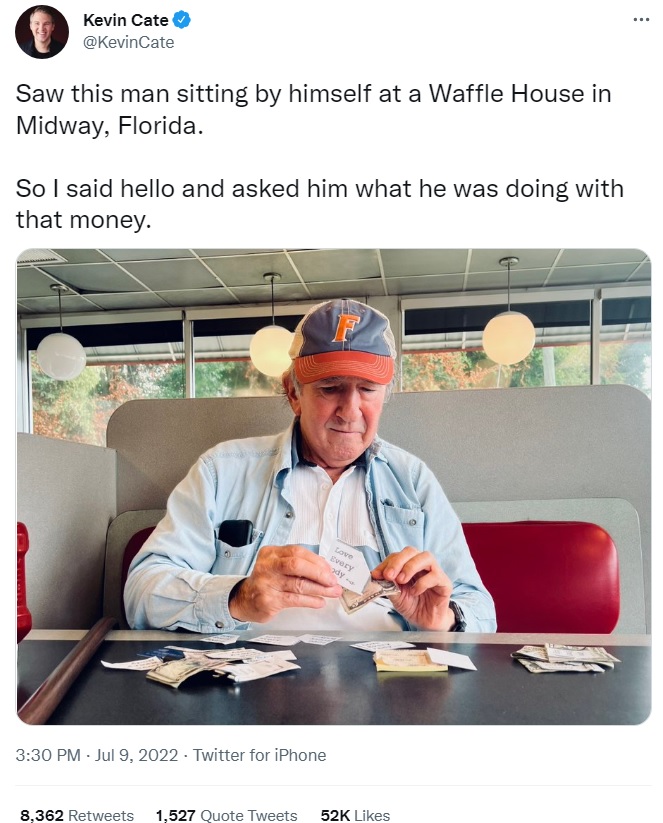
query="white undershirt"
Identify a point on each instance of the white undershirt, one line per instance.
(325, 512)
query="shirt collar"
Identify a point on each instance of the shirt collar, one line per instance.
(298, 451)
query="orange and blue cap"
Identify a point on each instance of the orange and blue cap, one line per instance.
(343, 338)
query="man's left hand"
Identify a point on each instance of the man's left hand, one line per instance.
(425, 588)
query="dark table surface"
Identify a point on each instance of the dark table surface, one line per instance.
(338, 684)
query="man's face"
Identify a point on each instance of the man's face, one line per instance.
(339, 418)
(41, 26)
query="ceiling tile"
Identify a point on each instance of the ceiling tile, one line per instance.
(426, 285)
(263, 294)
(642, 273)
(32, 283)
(120, 302)
(233, 252)
(408, 262)
(49, 305)
(147, 254)
(98, 277)
(198, 297)
(590, 275)
(249, 269)
(498, 280)
(489, 259)
(369, 287)
(172, 274)
(81, 255)
(336, 264)
(594, 257)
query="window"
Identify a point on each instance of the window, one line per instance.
(625, 348)
(150, 366)
(222, 364)
(442, 348)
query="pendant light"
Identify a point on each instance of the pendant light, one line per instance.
(60, 355)
(270, 346)
(510, 336)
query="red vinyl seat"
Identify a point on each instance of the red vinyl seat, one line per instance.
(134, 545)
(548, 576)
(545, 576)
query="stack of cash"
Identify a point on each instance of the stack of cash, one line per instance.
(238, 664)
(176, 672)
(558, 658)
(406, 660)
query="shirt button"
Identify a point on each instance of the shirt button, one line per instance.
(289, 514)
(226, 554)
(413, 522)
(220, 624)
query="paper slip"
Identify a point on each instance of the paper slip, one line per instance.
(223, 639)
(137, 665)
(378, 645)
(349, 566)
(317, 639)
(241, 673)
(251, 655)
(453, 659)
(274, 640)
(189, 654)
(406, 660)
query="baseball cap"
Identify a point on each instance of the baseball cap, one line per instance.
(343, 338)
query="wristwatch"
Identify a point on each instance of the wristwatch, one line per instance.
(460, 624)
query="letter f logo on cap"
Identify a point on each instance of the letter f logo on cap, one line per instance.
(346, 322)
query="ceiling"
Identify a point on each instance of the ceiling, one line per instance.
(103, 282)
(112, 280)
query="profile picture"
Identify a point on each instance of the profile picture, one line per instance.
(42, 32)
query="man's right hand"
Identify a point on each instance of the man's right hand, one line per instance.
(284, 577)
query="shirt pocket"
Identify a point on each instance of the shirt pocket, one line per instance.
(234, 559)
(404, 527)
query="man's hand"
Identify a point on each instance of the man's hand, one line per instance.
(425, 588)
(284, 577)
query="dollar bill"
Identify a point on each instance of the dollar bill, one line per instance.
(353, 601)
(539, 667)
(593, 654)
(553, 657)
(173, 674)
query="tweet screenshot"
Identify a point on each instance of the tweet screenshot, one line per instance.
(333, 452)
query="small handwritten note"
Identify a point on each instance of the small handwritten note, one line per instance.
(137, 665)
(349, 566)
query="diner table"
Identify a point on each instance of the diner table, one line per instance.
(338, 683)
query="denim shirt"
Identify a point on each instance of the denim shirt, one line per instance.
(183, 575)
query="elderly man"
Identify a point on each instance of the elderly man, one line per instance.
(42, 25)
(328, 478)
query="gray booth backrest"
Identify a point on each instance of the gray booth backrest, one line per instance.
(484, 445)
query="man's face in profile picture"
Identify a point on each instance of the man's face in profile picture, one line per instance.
(41, 26)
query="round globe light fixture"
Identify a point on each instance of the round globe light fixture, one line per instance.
(269, 350)
(270, 346)
(60, 355)
(510, 336)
